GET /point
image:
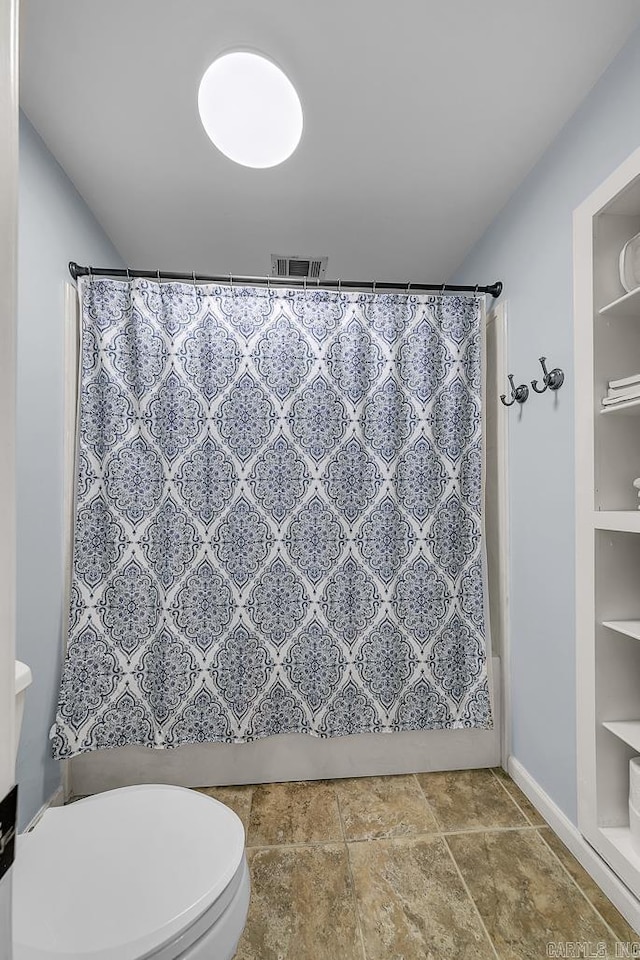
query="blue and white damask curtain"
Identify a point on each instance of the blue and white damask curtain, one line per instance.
(278, 516)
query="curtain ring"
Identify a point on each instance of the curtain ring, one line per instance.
(374, 286)
(339, 286)
(268, 283)
(90, 273)
(231, 280)
(443, 289)
(305, 284)
(475, 292)
(158, 275)
(128, 275)
(408, 289)
(193, 277)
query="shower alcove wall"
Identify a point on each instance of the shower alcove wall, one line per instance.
(298, 757)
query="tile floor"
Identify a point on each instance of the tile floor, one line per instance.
(436, 866)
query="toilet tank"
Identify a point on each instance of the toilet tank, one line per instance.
(22, 681)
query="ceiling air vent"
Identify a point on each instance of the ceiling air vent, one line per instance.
(313, 268)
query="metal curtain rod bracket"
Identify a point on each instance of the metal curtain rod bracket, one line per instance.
(493, 289)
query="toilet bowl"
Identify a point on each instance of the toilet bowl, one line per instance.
(148, 871)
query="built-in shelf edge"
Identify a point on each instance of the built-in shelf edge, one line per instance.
(625, 306)
(630, 407)
(624, 521)
(626, 730)
(629, 628)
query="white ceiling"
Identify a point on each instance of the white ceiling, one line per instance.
(421, 118)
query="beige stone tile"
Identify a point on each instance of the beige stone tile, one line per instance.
(302, 906)
(237, 799)
(524, 896)
(465, 799)
(294, 813)
(523, 802)
(373, 807)
(591, 889)
(412, 903)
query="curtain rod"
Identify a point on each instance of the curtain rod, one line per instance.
(493, 289)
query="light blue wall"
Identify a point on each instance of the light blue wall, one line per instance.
(55, 226)
(529, 247)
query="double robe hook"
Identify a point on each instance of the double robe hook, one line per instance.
(552, 379)
(518, 394)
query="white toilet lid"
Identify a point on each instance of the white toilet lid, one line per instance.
(119, 875)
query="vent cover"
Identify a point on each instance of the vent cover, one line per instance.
(313, 268)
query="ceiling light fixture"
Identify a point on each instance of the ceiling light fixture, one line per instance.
(250, 110)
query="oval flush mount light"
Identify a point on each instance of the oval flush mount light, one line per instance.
(250, 110)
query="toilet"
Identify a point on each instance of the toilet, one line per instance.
(148, 871)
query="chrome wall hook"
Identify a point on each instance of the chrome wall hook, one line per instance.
(518, 394)
(552, 379)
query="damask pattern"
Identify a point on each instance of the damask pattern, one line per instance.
(350, 601)
(174, 417)
(130, 608)
(134, 479)
(385, 539)
(425, 360)
(385, 662)
(279, 711)
(241, 669)
(170, 543)
(388, 420)
(279, 514)
(354, 361)
(242, 541)
(283, 357)
(352, 479)
(138, 354)
(453, 536)
(315, 539)
(318, 419)
(279, 479)
(454, 656)
(203, 606)
(278, 602)
(165, 674)
(202, 720)
(205, 480)
(421, 479)
(315, 665)
(99, 543)
(246, 418)
(209, 357)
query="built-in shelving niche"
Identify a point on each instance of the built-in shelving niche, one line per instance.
(617, 652)
(616, 355)
(607, 347)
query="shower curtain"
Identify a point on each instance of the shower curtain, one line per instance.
(278, 516)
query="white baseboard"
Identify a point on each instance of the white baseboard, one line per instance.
(607, 880)
(55, 800)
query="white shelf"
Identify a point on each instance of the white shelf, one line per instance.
(620, 837)
(630, 628)
(628, 406)
(627, 730)
(624, 521)
(626, 306)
